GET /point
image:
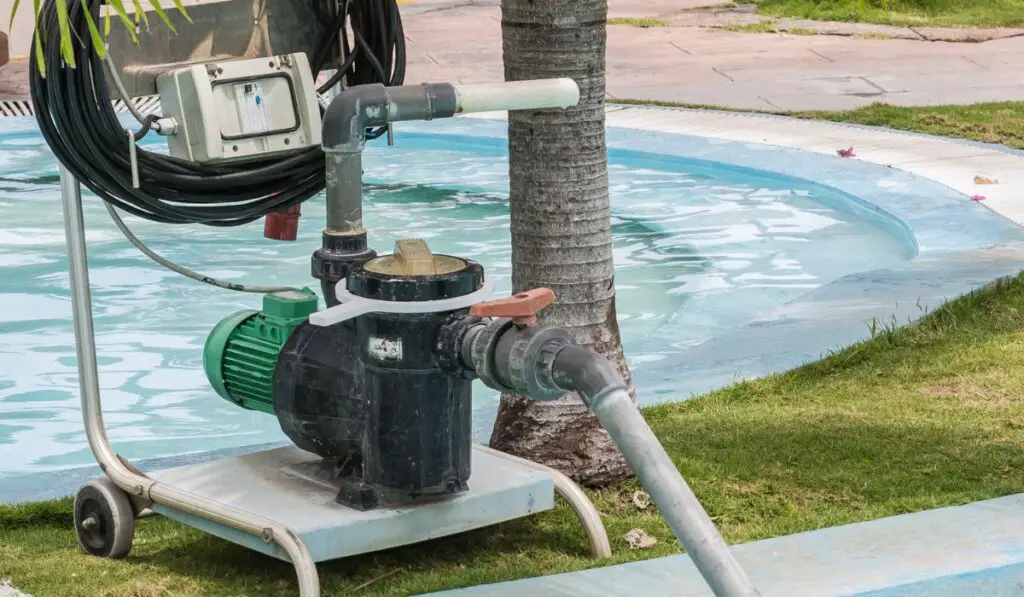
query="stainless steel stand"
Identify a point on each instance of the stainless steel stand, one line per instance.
(133, 482)
(162, 491)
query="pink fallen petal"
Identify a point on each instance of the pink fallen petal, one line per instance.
(977, 197)
(846, 153)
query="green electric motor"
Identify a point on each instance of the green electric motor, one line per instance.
(242, 350)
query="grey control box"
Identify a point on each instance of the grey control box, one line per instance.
(241, 109)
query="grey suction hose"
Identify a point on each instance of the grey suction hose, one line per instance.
(498, 344)
(577, 369)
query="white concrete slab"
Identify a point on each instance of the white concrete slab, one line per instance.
(271, 484)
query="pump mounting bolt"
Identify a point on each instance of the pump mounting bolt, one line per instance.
(522, 307)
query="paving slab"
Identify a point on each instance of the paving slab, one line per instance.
(460, 41)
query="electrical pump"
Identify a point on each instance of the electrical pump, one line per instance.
(375, 384)
(371, 395)
(378, 383)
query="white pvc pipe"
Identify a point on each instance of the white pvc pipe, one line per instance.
(517, 95)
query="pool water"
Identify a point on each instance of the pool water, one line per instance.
(705, 248)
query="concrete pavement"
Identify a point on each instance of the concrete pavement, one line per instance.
(460, 40)
(697, 65)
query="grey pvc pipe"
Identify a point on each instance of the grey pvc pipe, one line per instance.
(669, 491)
(578, 369)
(575, 497)
(344, 192)
(122, 475)
(360, 107)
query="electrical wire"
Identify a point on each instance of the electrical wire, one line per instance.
(138, 244)
(76, 117)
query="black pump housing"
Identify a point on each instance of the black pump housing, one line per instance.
(370, 395)
(419, 417)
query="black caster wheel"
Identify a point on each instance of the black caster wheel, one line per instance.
(104, 519)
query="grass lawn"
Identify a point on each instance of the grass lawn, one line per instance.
(1001, 123)
(919, 417)
(937, 13)
(907, 12)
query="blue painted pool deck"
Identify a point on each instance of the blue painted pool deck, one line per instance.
(962, 551)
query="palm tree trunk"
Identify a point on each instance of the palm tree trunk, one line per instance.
(561, 225)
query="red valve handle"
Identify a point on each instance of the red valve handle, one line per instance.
(282, 225)
(522, 307)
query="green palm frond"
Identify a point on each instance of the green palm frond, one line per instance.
(68, 38)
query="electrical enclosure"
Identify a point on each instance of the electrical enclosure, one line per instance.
(241, 109)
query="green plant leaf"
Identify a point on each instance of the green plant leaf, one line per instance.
(140, 14)
(37, 39)
(181, 9)
(97, 40)
(125, 19)
(14, 11)
(67, 50)
(40, 57)
(163, 15)
(40, 25)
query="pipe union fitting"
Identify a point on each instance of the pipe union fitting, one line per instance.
(525, 356)
(484, 351)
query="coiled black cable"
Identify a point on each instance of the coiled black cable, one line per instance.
(77, 119)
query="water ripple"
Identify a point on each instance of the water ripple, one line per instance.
(708, 249)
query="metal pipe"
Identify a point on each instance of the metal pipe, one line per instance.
(577, 369)
(344, 193)
(85, 341)
(358, 108)
(120, 472)
(577, 500)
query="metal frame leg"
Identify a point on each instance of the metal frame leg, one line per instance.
(120, 471)
(578, 501)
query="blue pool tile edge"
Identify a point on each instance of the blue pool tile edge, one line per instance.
(974, 549)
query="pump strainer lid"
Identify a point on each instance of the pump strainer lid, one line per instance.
(412, 258)
(414, 273)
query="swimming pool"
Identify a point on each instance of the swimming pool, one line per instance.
(700, 249)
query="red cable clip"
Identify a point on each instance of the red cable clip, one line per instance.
(282, 225)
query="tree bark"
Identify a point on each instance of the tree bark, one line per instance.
(561, 225)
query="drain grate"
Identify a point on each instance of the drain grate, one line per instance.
(15, 108)
(148, 104)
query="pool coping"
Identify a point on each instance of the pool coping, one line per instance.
(951, 162)
(974, 549)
